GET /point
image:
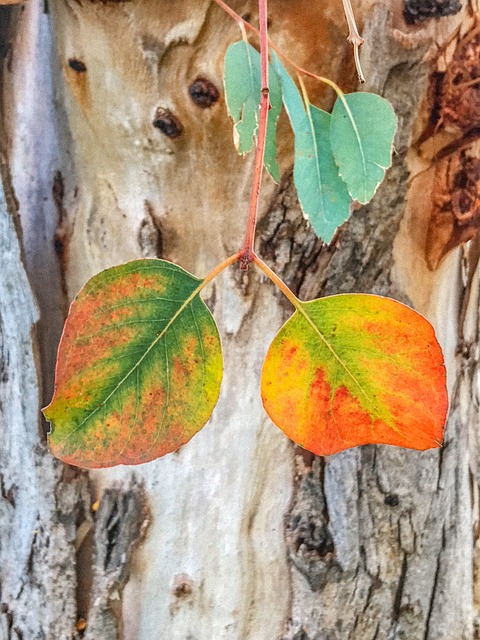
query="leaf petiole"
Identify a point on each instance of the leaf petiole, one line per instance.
(217, 270)
(278, 282)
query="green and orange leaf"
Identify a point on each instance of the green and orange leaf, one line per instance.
(356, 369)
(139, 367)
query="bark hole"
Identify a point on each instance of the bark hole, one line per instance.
(392, 500)
(77, 65)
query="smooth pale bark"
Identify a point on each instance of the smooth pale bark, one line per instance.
(239, 535)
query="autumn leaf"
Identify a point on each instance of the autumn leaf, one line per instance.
(356, 369)
(139, 367)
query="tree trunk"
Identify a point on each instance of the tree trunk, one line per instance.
(239, 535)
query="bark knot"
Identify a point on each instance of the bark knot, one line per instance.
(168, 123)
(203, 93)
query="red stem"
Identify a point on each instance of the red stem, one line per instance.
(247, 251)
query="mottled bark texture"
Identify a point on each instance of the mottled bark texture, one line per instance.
(117, 144)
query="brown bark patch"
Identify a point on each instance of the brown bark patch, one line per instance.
(455, 218)
(451, 135)
(77, 78)
(460, 95)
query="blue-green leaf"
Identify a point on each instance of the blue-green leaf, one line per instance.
(291, 96)
(322, 194)
(361, 134)
(242, 93)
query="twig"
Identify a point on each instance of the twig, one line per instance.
(247, 251)
(354, 37)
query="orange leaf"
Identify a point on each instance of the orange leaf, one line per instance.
(356, 369)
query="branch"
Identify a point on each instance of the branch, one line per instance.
(247, 252)
(354, 37)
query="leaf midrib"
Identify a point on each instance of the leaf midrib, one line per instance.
(317, 161)
(359, 142)
(252, 87)
(302, 310)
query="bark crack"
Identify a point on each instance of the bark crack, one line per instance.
(397, 603)
(435, 584)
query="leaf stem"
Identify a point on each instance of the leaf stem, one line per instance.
(301, 308)
(304, 92)
(217, 270)
(271, 275)
(247, 251)
(238, 19)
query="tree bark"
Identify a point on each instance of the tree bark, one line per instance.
(109, 155)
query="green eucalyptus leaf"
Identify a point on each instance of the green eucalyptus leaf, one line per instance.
(361, 134)
(292, 99)
(242, 93)
(322, 194)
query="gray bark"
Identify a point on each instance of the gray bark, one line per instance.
(239, 535)
(41, 502)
